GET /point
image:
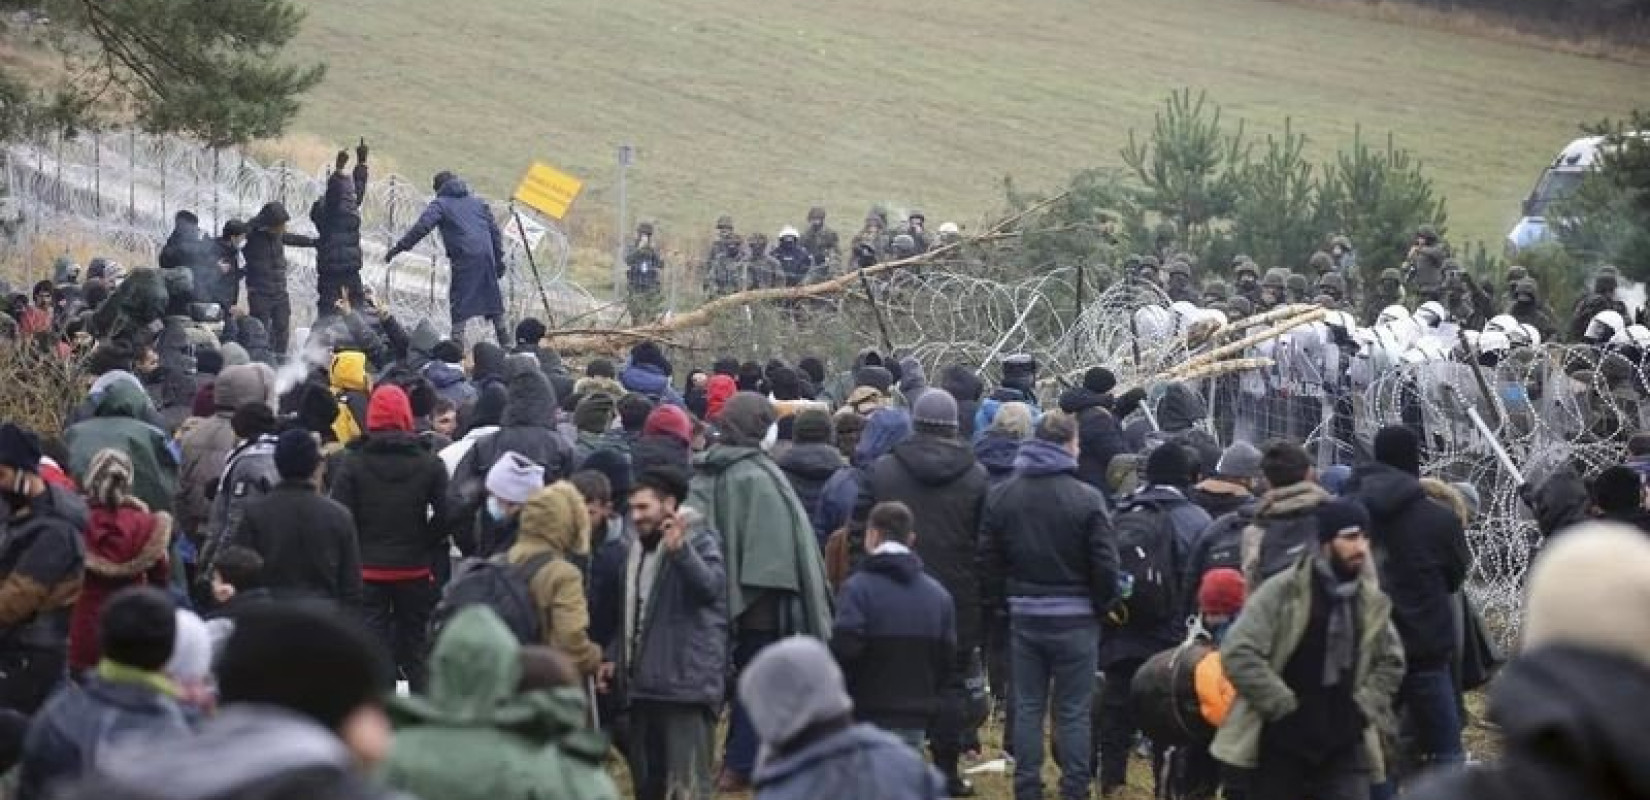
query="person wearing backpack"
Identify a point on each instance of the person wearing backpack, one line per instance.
(671, 655)
(1283, 525)
(1157, 529)
(395, 488)
(554, 528)
(1048, 562)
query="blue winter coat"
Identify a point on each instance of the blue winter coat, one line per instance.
(647, 379)
(473, 245)
(450, 382)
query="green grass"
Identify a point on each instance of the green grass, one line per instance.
(759, 108)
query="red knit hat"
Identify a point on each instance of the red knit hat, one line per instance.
(389, 410)
(668, 420)
(1221, 593)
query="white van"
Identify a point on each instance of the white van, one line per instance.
(1558, 181)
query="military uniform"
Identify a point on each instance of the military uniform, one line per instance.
(1387, 292)
(725, 267)
(1247, 278)
(1603, 298)
(1528, 308)
(821, 243)
(760, 270)
(1426, 265)
(1180, 282)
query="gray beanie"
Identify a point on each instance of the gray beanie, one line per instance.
(234, 354)
(791, 686)
(936, 409)
(1241, 460)
(514, 478)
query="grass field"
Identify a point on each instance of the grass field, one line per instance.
(760, 108)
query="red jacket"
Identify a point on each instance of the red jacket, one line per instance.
(125, 546)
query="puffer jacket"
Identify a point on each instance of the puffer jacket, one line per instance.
(395, 488)
(1423, 558)
(42, 558)
(351, 386)
(808, 467)
(680, 655)
(125, 546)
(895, 637)
(337, 218)
(945, 488)
(1263, 639)
(187, 249)
(649, 380)
(475, 737)
(118, 424)
(265, 252)
(450, 382)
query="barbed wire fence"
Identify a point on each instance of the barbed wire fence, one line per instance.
(1546, 407)
(124, 188)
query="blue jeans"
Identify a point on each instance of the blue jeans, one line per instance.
(1062, 651)
(739, 751)
(1427, 699)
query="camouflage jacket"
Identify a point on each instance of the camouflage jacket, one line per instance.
(822, 245)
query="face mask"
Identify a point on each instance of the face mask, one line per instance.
(495, 509)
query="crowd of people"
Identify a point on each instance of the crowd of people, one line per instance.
(411, 568)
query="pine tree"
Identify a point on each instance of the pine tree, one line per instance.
(203, 68)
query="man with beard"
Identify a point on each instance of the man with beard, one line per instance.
(672, 654)
(1315, 663)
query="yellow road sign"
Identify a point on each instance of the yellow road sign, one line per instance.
(548, 190)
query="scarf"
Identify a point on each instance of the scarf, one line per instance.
(1342, 634)
(120, 673)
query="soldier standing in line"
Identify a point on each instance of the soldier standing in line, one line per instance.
(821, 243)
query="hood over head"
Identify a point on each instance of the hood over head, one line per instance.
(474, 668)
(1384, 490)
(454, 187)
(123, 399)
(745, 420)
(791, 686)
(487, 361)
(389, 410)
(243, 746)
(532, 401)
(962, 384)
(238, 385)
(1180, 408)
(883, 431)
(556, 517)
(349, 371)
(815, 461)
(1037, 457)
(934, 460)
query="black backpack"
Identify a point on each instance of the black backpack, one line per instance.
(499, 585)
(1146, 556)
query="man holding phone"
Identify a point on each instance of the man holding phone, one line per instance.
(671, 655)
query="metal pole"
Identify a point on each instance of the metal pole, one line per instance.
(217, 217)
(626, 153)
(549, 316)
(97, 174)
(131, 178)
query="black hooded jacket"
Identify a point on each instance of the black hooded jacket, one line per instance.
(265, 251)
(1571, 727)
(337, 218)
(1099, 437)
(966, 388)
(1421, 558)
(528, 427)
(808, 467)
(945, 487)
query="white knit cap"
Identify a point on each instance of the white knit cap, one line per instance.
(1590, 589)
(514, 478)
